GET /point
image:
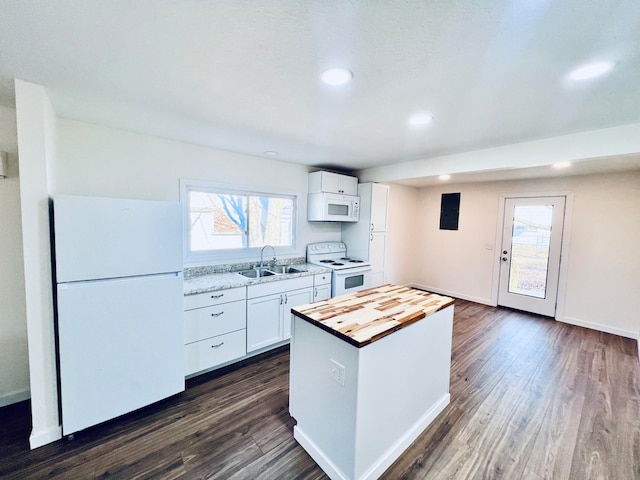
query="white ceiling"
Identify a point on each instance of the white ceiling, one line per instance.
(244, 75)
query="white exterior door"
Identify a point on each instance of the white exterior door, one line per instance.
(530, 253)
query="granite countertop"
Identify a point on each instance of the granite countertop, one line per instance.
(209, 279)
(363, 317)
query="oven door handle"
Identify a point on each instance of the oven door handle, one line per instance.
(352, 271)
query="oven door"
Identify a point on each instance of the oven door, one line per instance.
(350, 280)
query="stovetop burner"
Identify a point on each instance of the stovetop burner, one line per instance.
(351, 260)
(333, 255)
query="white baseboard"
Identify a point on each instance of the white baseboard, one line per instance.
(450, 293)
(385, 460)
(14, 397)
(599, 327)
(573, 321)
(391, 455)
(318, 455)
(45, 436)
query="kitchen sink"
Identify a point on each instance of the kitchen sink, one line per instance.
(280, 269)
(270, 271)
(257, 273)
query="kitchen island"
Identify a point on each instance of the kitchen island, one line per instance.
(369, 372)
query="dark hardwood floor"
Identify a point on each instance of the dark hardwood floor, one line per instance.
(531, 398)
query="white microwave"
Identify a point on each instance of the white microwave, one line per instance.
(332, 207)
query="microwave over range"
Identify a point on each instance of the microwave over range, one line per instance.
(333, 207)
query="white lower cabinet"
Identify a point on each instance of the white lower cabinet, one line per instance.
(264, 321)
(294, 299)
(321, 286)
(215, 351)
(214, 329)
(269, 310)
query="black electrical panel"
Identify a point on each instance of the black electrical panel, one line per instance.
(449, 211)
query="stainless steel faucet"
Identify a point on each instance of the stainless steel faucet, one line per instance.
(273, 262)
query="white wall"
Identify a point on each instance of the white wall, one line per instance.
(603, 263)
(14, 362)
(95, 160)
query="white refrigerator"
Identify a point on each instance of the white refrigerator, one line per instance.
(119, 304)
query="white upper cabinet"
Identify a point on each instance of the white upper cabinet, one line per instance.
(379, 197)
(332, 183)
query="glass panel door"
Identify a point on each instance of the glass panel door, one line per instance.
(530, 253)
(530, 238)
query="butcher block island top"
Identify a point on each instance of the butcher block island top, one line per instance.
(369, 315)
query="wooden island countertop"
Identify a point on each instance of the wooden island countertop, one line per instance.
(363, 317)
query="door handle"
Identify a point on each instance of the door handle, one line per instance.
(504, 259)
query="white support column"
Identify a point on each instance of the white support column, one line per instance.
(36, 132)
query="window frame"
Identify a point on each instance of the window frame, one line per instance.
(222, 255)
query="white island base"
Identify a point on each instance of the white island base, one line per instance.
(359, 409)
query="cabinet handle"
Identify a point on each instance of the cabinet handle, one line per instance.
(217, 296)
(372, 227)
(281, 300)
(217, 314)
(218, 345)
(315, 293)
(286, 299)
(372, 237)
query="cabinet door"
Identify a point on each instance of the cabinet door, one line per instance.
(376, 250)
(264, 321)
(294, 299)
(322, 292)
(332, 183)
(377, 279)
(379, 201)
(347, 185)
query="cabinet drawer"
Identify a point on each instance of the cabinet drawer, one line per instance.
(206, 322)
(214, 351)
(321, 279)
(279, 286)
(214, 298)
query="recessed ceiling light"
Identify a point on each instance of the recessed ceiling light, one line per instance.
(336, 76)
(591, 70)
(561, 165)
(271, 153)
(420, 119)
(444, 177)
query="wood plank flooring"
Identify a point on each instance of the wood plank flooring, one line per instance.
(531, 399)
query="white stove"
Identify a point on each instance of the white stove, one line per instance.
(349, 274)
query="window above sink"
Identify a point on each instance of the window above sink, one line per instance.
(221, 222)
